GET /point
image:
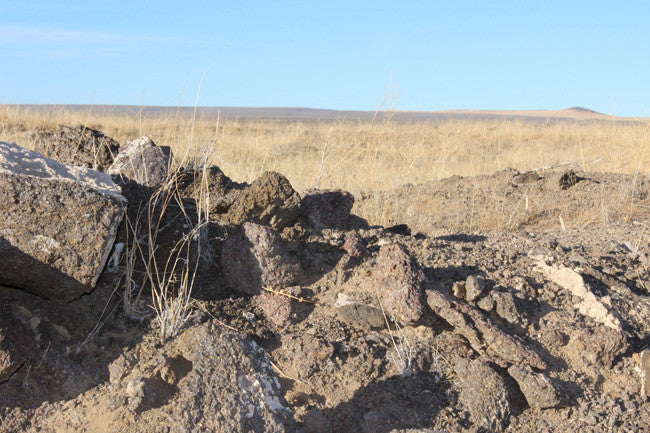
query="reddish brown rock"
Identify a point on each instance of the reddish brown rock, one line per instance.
(253, 256)
(326, 208)
(354, 246)
(399, 282)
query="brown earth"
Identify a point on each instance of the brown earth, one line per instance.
(500, 342)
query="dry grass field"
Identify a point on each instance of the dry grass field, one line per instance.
(366, 156)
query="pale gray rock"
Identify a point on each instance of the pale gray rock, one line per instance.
(57, 223)
(142, 161)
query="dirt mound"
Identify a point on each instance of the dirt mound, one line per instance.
(375, 330)
(511, 201)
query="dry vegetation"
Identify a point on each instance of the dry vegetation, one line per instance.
(364, 156)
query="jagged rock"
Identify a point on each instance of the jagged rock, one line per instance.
(480, 331)
(57, 221)
(143, 162)
(354, 246)
(538, 389)
(590, 305)
(326, 208)
(474, 287)
(508, 307)
(483, 392)
(77, 145)
(253, 256)
(399, 282)
(270, 200)
(210, 186)
(16, 342)
(231, 386)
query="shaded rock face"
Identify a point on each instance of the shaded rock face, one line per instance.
(326, 208)
(538, 389)
(399, 281)
(212, 185)
(16, 342)
(56, 221)
(253, 256)
(270, 200)
(484, 393)
(143, 162)
(78, 145)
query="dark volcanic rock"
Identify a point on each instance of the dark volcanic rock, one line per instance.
(484, 393)
(270, 200)
(143, 162)
(16, 342)
(326, 208)
(253, 256)
(399, 280)
(538, 389)
(212, 186)
(57, 223)
(77, 145)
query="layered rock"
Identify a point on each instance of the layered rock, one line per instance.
(57, 223)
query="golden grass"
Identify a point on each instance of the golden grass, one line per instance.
(362, 156)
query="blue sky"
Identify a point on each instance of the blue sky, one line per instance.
(436, 55)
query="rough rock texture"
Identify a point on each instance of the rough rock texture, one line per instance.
(595, 347)
(538, 389)
(77, 145)
(399, 281)
(16, 342)
(253, 256)
(270, 200)
(326, 208)
(210, 184)
(483, 392)
(285, 307)
(474, 287)
(143, 162)
(480, 331)
(354, 246)
(57, 221)
(231, 387)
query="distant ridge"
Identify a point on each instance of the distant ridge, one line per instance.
(573, 114)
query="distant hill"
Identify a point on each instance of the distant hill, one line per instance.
(317, 114)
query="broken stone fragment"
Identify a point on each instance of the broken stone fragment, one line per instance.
(595, 347)
(326, 208)
(483, 392)
(254, 256)
(285, 307)
(142, 161)
(643, 370)
(474, 287)
(77, 145)
(57, 223)
(399, 282)
(359, 313)
(539, 390)
(481, 333)
(270, 200)
(16, 342)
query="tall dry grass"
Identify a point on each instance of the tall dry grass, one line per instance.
(362, 156)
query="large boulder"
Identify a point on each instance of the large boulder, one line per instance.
(78, 145)
(57, 223)
(399, 282)
(143, 162)
(253, 257)
(270, 200)
(326, 208)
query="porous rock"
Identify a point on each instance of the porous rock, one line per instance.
(231, 386)
(285, 307)
(142, 161)
(57, 221)
(270, 200)
(254, 256)
(211, 186)
(326, 208)
(399, 281)
(474, 287)
(595, 347)
(16, 342)
(77, 145)
(539, 390)
(483, 392)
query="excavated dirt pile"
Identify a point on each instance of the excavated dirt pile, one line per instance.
(305, 318)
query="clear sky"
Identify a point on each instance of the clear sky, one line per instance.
(329, 54)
